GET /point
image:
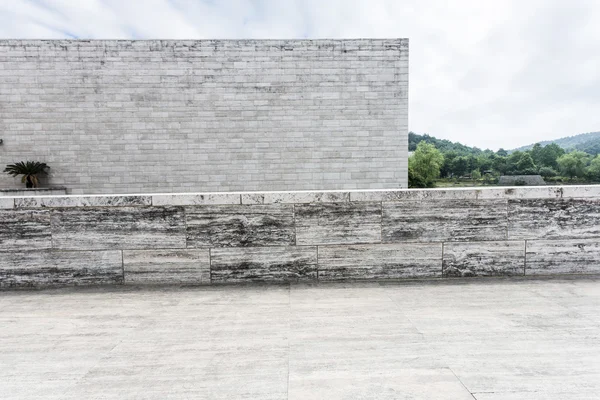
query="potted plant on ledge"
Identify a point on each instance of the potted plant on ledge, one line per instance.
(29, 169)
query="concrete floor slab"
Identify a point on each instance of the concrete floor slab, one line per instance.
(486, 340)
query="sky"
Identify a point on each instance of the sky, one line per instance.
(487, 73)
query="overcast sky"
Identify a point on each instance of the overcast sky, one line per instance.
(488, 73)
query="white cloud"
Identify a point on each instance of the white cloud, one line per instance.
(484, 72)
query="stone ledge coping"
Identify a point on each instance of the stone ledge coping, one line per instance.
(299, 197)
(49, 189)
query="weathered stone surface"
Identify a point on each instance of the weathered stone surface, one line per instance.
(306, 197)
(195, 199)
(25, 230)
(380, 261)
(546, 192)
(413, 194)
(505, 258)
(253, 198)
(166, 266)
(83, 201)
(444, 220)
(240, 225)
(553, 219)
(275, 264)
(51, 267)
(118, 228)
(7, 203)
(553, 257)
(580, 191)
(338, 223)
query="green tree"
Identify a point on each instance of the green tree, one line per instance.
(424, 165)
(475, 174)
(502, 153)
(573, 164)
(547, 156)
(593, 170)
(525, 163)
(460, 166)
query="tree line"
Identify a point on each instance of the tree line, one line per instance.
(434, 158)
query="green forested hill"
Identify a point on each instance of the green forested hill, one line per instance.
(586, 142)
(441, 144)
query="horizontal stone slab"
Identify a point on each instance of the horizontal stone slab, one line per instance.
(588, 191)
(306, 197)
(118, 228)
(506, 258)
(553, 219)
(261, 264)
(338, 223)
(554, 257)
(83, 201)
(544, 192)
(240, 225)
(25, 230)
(380, 261)
(166, 266)
(195, 199)
(413, 194)
(444, 220)
(7, 203)
(50, 267)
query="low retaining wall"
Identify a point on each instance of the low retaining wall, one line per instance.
(218, 238)
(52, 191)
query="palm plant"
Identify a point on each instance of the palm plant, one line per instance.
(29, 169)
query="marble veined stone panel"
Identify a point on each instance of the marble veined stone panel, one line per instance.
(264, 264)
(7, 203)
(195, 199)
(118, 228)
(240, 225)
(553, 219)
(338, 223)
(167, 266)
(52, 267)
(444, 220)
(306, 197)
(380, 261)
(83, 201)
(550, 257)
(506, 258)
(25, 230)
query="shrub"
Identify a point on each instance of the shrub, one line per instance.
(29, 169)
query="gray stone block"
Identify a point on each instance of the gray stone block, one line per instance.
(444, 220)
(261, 264)
(380, 261)
(50, 267)
(338, 223)
(25, 230)
(118, 228)
(166, 266)
(240, 225)
(7, 203)
(195, 199)
(306, 197)
(554, 257)
(553, 219)
(484, 259)
(83, 201)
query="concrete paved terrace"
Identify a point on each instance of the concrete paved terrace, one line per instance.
(484, 340)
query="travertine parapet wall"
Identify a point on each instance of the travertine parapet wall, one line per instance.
(126, 116)
(214, 238)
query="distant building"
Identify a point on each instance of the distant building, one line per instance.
(521, 180)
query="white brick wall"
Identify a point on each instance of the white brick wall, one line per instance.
(207, 115)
